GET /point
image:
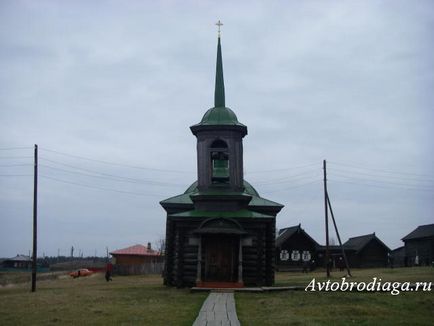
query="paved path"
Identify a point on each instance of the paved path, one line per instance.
(218, 309)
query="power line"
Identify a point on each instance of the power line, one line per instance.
(382, 186)
(113, 177)
(113, 163)
(13, 148)
(11, 165)
(100, 188)
(102, 173)
(377, 181)
(292, 178)
(293, 187)
(13, 157)
(283, 169)
(382, 170)
(406, 178)
(16, 175)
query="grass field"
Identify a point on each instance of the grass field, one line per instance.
(133, 300)
(143, 300)
(340, 308)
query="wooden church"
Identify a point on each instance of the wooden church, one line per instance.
(220, 232)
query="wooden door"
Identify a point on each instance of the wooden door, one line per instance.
(221, 253)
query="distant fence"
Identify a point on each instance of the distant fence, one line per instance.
(24, 270)
(147, 268)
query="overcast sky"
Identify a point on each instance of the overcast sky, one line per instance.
(121, 81)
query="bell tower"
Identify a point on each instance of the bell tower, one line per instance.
(220, 229)
(219, 141)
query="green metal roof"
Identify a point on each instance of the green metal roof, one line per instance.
(227, 214)
(256, 200)
(220, 116)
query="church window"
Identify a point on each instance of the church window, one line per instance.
(219, 161)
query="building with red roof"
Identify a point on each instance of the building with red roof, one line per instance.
(137, 259)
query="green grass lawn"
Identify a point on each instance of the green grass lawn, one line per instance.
(303, 308)
(143, 300)
(133, 300)
(407, 274)
(345, 308)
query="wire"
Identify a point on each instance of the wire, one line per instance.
(283, 169)
(293, 187)
(99, 188)
(11, 165)
(377, 181)
(114, 177)
(113, 163)
(16, 175)
(13, 148)
(380, 186)
(13, 157)
(382, 170)
(406, 178)
(304, 175)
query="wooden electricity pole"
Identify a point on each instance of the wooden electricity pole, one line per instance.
(327, 206)
(327, 254)
(339, 238)
(35, 219)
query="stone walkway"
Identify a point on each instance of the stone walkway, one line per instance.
(218, 309)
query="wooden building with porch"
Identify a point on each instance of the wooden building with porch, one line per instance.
(220, 231)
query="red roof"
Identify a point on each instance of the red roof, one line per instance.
(137, 250)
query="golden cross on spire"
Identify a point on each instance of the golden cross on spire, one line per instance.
(219, 24)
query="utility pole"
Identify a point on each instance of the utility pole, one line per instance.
(327, 254)
(72, 257)
(339, 238)
(35, 219)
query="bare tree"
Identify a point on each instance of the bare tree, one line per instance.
(160, 244)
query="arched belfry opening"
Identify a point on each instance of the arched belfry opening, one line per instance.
(219, 162)
(220, 232)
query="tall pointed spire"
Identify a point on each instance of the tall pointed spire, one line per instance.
(219, 93)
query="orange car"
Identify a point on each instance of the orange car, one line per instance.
(81, 272)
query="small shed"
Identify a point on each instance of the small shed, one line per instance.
(419, 246)
(19, 262)
(137, 259)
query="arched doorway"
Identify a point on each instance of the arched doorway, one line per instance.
(220, 251)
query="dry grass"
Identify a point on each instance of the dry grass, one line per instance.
(143, 300)
(135, 300)
(333, 308)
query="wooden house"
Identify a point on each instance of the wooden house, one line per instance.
(366, 251)
(18, 262)
(137, 259)
(220, 231)
(294, 249)
(419, 246)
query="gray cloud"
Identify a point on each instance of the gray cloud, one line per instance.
(347, 81)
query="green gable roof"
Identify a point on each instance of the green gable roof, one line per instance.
(248, 189)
